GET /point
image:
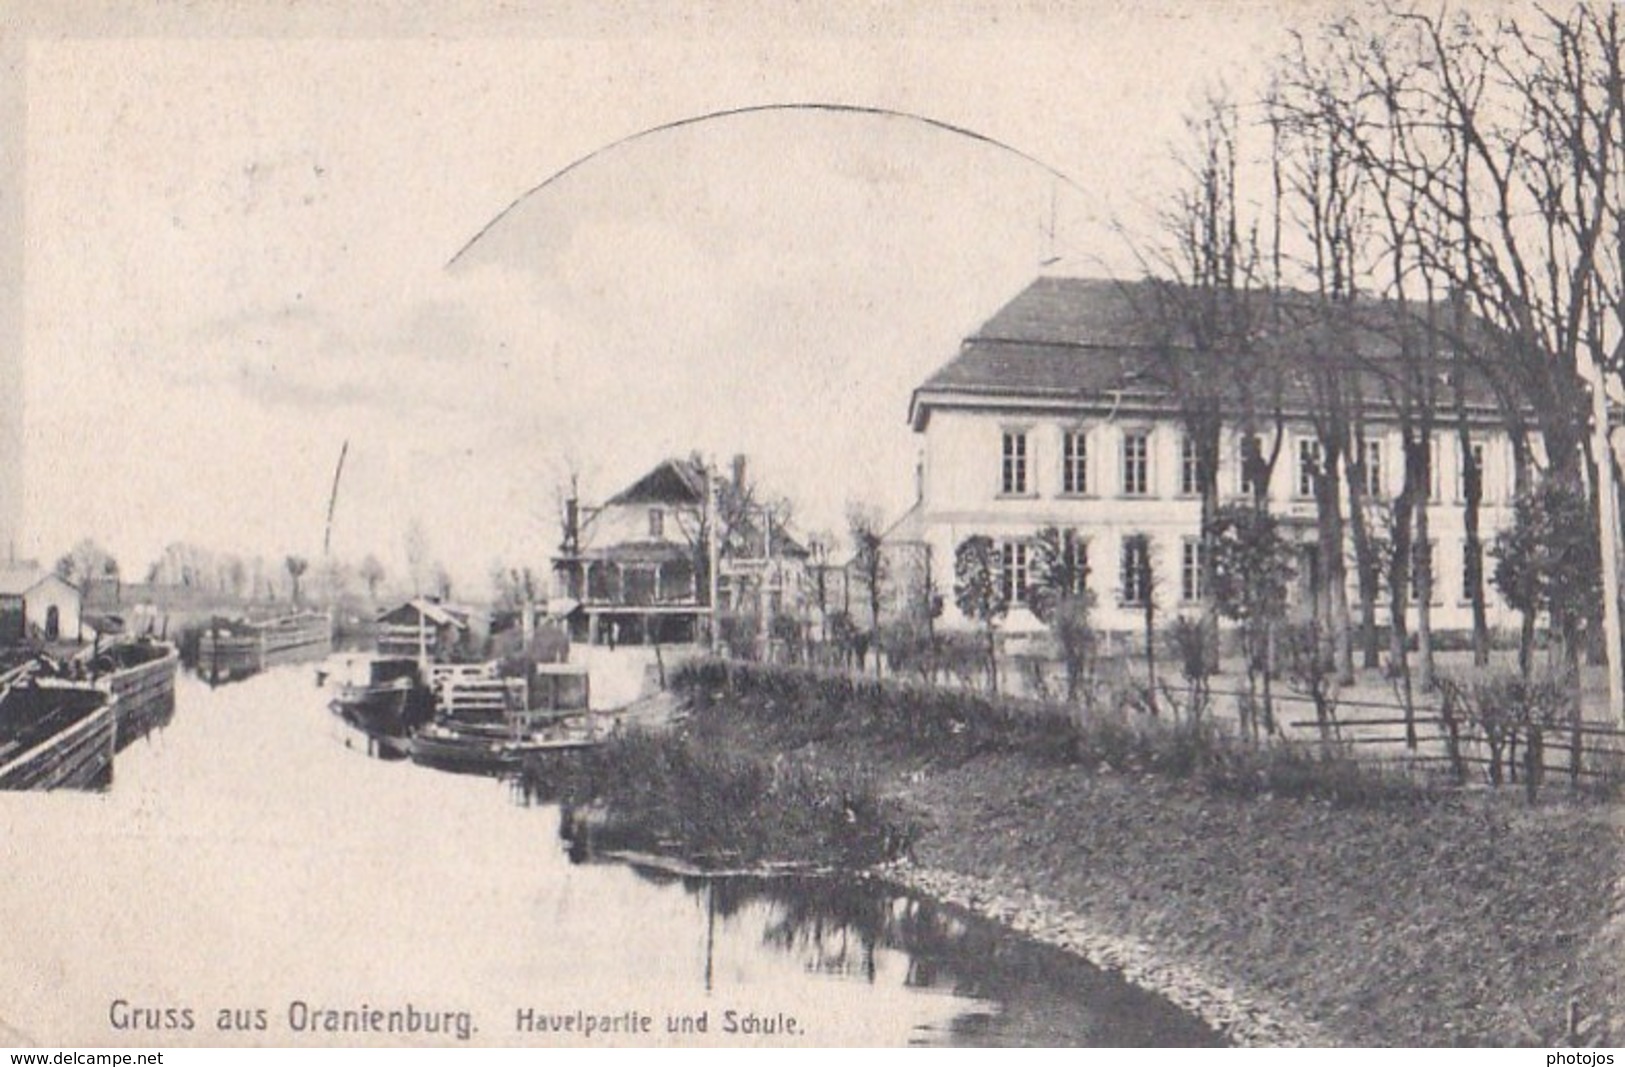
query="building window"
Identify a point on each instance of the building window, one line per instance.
(1136, 565)
(1308, 466)
(1190, 480)
(1434, 454)
(1250, 456)
(1013, 571)
(1475, 449)
(1422, 557)
(1074, 462)
(1191, 586)
(1075, 561)
(657, 523)
(1375, 481)
(1467, 558)
(1136, 463)
(1013, 479)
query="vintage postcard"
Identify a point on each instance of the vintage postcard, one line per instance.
(656, 524)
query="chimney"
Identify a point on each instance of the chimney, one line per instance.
(572, 526)
(739, 471)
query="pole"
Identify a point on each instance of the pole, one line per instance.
(712, 555)
(333, 498)
(1608, 532)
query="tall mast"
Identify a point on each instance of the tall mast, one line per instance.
(333, 500)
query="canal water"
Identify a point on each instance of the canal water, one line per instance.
(253, 877)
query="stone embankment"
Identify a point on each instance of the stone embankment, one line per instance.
(1243, 1020)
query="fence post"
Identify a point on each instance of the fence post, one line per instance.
(1575, 735)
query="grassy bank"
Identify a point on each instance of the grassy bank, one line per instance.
(1383, 910)
(670, 794)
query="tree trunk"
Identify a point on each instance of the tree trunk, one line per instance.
(1472, 492)
(1367, 568)
(1333, 574)
(1150, 640)
(1399, 591)
(1424, 606)
(992, 661)
(1526, 645)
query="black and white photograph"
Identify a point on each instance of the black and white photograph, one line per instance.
(1058, 524)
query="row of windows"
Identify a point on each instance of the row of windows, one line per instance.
(1134, 570)
(1135, 469)
(1135, 574)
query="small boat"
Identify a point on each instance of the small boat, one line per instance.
(55, 733)
(140, 672)
(473, 750)
(462, 749)
(391, 700)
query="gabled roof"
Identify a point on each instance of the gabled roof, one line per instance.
(1080, 339)
(1097, 312)
(408, 613)
(745, 542)
(18, 580)
(674, 481)
(908, 527)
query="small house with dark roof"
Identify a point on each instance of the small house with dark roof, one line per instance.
(1059, 412)
(634, 568)
(429, 627)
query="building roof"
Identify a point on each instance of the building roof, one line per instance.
(681, 483)
(409, 612)
(16, 580)
(1073, 340)
(674, 481)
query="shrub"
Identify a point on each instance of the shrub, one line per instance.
(656, 791)
(1501, 709)
(740, 633)
(909, 649)
(789, 634)
(798, 706)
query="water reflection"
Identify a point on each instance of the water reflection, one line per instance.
(150, 717)
(252, 860)
(1013, 991)
(231, 667)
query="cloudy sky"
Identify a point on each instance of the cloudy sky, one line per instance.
(238, 244)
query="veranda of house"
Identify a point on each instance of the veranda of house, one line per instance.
(633, 566)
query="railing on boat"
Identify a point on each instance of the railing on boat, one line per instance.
(476, 696)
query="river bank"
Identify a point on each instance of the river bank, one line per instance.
(1451, 919)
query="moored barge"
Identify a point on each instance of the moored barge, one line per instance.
(245, 646)
(141, 674)
(55, 733)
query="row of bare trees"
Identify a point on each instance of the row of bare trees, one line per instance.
(1422, 221)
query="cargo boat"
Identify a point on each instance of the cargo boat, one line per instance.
(231, 648)
(141, 674)
(55, 733)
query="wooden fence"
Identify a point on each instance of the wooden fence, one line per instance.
(1377, 730)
